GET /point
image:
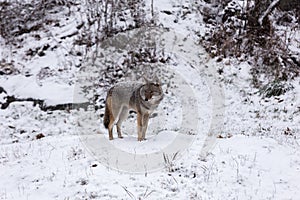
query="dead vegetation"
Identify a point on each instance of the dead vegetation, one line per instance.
(249, 33)
(18, 17)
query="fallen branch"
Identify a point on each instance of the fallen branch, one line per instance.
(43, 106)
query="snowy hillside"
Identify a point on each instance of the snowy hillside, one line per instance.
(226, 128)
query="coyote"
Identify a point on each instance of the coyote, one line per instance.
(140, 97)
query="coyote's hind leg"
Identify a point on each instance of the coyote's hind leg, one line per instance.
(122, 116)
(110, 128)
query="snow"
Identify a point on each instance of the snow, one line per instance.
(240, 167)
(53, 93)
(212, 137)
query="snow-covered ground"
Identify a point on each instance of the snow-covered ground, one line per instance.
(213, 136)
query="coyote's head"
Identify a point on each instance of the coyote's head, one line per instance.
(152, 89)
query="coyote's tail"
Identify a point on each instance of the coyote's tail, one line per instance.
(106, 116)
(108, 110)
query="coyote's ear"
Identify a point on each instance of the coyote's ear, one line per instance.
(146, 80)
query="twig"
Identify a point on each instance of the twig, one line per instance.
(128, 192)
(268, 11)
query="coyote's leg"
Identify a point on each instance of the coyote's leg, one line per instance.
(110, 127)
(139, 126)
(145, 125)
(122, 116)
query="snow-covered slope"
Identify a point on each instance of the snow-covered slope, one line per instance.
(213, 136)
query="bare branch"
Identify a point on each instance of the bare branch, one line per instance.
(268, 11)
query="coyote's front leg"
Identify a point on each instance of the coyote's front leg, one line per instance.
(142, 123)
(145, 125)
(140, 126)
